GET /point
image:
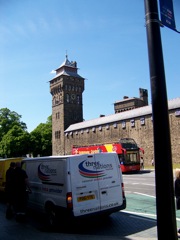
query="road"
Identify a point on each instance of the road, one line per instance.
(137, 221)
(143, 183)
(140, 193)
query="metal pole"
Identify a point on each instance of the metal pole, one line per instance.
(165, 204)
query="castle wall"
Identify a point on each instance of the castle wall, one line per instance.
(141, 130)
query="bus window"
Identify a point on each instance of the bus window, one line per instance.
(131, 158)
(128, 143)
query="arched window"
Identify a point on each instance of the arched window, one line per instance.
(78, 99)
(67, 97)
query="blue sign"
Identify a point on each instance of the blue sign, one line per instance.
(167, 14)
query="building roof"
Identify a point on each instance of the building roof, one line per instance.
(67, 63)
(127, 99)
(67, 68)
(66, 73)
(137, 112)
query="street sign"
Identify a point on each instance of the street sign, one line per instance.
(167, 14)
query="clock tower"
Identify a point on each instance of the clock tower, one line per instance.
(67, 104)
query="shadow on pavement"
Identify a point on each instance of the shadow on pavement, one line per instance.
(119, 225)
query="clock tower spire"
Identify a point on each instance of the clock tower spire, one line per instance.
(67, 103)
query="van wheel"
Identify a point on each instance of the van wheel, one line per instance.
(51, 216)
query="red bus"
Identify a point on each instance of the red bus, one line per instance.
(127, 149)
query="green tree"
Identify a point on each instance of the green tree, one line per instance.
(15, 143)
(41, 139)
(9, 119)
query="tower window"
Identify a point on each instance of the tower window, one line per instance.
(67, 98)
(58, 115)
(54, 101)
(78, 99)
(57, 134)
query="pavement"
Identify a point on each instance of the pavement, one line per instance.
(121, 225)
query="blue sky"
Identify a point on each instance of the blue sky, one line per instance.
(106, 38)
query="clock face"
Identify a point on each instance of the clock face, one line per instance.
(73, 96)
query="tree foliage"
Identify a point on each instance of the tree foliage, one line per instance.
(41, 139)
(15, 141)
(9, 119)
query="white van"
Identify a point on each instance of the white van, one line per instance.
(75, 185)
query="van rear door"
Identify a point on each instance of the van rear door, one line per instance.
(110, 184)
(96, 183)
(84, 183)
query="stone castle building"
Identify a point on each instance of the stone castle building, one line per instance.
(66, 89)
(132, 118)
(131, 103)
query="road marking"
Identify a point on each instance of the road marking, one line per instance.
(144, 214)
(139, 213)
(144, 194)
(146, 184)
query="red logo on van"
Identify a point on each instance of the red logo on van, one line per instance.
(43, 176)
(85, 172)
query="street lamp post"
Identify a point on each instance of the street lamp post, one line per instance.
(165, 204)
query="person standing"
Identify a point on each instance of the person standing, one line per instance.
(177, 191)
(152, 162)
(177, 188)
(20, 186)
(142, 163)
(9, 190)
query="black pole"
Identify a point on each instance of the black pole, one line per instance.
(165, 204)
